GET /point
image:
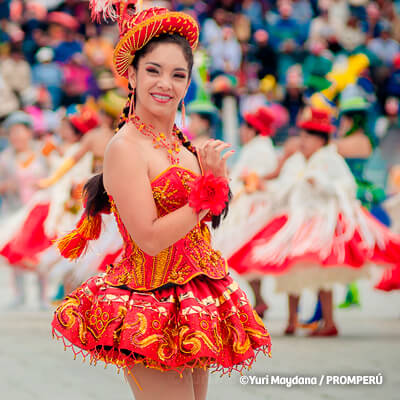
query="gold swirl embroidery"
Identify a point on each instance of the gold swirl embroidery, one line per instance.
(239, 346)
(168, 348)
(191, 343)
(69, 309)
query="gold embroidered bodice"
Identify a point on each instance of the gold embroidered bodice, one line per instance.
(189, 257)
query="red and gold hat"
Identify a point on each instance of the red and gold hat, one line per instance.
(319, 121)
(137, 29)
(262, 120)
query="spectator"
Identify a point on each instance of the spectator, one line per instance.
(15, 70)
(384, 47)
(351, 36)
(48, 74)
(286, 37)
(265, 55)
(225, 54)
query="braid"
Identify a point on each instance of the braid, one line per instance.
(185, 142)
(125, 112)
(216, 219)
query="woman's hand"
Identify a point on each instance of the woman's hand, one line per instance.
(210, 157)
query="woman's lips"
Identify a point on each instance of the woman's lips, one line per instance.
(161, 98)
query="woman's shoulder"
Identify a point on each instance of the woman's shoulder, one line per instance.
(124, 144)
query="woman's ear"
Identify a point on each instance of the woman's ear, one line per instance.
(132, 76)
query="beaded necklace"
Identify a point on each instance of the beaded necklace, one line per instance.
(160, 139)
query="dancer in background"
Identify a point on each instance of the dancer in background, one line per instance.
(320, 234)
(169, 304)
(106, 250)
(28, 233)
(21, 167)
(249, 207)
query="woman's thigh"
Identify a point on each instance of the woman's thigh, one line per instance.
(155, 384)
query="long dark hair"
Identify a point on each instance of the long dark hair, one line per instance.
(323, 135)
(94, 192)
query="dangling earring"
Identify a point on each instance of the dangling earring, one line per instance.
(132, 104)
(183, 114)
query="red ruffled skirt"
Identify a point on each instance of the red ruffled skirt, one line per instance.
(390, 280)
(30, 240)
(204, 323)
(352, 252)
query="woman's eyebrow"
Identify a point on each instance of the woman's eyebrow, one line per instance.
(159, 66)
(153, 63)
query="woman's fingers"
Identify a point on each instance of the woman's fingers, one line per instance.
(215, 148)
(221, 147)
(228, 154)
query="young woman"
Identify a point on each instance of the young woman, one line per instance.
(29, 232)
(21, 167)
(320, 235)
(169, 305)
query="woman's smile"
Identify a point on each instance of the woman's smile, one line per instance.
(161, 98)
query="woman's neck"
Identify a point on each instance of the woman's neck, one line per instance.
(161, 125)
(22, 151)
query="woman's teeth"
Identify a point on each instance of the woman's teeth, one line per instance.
(161, 97)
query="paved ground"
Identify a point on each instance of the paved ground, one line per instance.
(33, 366)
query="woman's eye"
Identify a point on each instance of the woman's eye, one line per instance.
(152, 71)
(180, 76)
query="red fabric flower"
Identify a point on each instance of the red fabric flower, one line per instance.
(209, 192)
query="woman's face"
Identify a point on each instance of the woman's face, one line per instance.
(20, 137)
(344, 124)
(161, 80)
(309, 144)
(246, 133)
(67, 132)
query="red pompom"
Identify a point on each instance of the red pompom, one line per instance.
(209, 192)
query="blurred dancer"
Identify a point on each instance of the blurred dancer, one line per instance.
(320, 234)
(106, 250)
(248, 207)
(31, 230)
(21, 166)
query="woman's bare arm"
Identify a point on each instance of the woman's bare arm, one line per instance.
(126, 180)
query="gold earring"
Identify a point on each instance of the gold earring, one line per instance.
(132, 103)
(183, 114)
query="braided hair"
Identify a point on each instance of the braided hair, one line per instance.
(94, 192)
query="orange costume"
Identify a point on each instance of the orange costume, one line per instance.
(176, 310)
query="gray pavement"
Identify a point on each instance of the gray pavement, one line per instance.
(34, 366)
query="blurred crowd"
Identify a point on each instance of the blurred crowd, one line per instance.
(256, 52)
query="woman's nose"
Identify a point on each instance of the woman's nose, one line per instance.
(164, 83)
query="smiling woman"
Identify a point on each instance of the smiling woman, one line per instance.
(169, 305)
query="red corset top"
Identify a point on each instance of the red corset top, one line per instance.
(190, 256)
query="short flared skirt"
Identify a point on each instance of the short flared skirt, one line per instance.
(24, 247)
(204, 323)
(352, 254)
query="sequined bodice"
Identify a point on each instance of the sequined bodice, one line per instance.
(190, 256)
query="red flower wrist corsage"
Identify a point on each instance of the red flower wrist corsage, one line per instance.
(208, 192)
